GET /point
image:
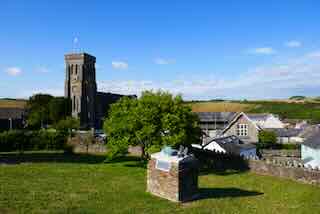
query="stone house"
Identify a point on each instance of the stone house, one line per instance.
(247, 126)
(12, 118)
(212, 123)
(244, 128)
(288, 135)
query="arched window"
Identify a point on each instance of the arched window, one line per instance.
(71, 69)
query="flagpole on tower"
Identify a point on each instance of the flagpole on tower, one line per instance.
(75, 45)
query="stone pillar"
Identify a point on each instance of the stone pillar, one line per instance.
(172, 177)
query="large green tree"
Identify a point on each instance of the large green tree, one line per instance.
(44, 109)
(59, 109)
(38, 110)
(152, 121)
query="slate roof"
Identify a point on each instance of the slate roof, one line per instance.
(215, 116)
(285, 132)
(13, 113)
(309, 131)
(258, 117)
(313, 141)
(231, 144)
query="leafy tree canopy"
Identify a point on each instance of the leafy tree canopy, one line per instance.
(67, 125)
(44, 109)
(267, 138)
(152, 121)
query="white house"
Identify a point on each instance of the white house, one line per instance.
(266, 121)
(229, 144)
(310, 151)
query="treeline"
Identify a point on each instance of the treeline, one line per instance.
(19, 140)
(44, 110)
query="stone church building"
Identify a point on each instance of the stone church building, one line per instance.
(89, 105)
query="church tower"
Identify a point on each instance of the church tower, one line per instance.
(81, 87)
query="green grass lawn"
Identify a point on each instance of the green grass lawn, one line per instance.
(55, 183)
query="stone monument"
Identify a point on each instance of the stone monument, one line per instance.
(173, 175)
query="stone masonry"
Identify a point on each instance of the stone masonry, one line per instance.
(179, 184)
(88, 105)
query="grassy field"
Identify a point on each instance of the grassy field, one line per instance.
(220, 107)
(11, 103)
(288, 110)
(55, 183)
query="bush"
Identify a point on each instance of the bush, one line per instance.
(267, 139)
(32, 140)
(218, 162)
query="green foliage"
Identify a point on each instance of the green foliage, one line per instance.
(153, 120)
(59, 109)
(306, 111)
(31, 140)
(44, 109)
(82, 184)
(267, 139)
(67, 125)
(38, 110)
(297, 98)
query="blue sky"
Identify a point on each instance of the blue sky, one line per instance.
(201, 49)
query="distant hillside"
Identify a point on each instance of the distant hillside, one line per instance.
(287, 110)
(12, 103)
(220, 106)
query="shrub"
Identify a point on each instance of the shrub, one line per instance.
(31, 140)
(267, 139)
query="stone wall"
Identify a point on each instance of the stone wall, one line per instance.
(280, 153)
(92, 146)
(161, 183)
(179, 184)
(298, 173)
(135, 150)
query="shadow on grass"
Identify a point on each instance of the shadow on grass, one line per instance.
(60, 157)
(50, 157)
(206, 193)
(222, 172)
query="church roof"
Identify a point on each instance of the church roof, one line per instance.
(13, 113)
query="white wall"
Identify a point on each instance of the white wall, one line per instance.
(310, 154)
(273, 122)
(290, 140)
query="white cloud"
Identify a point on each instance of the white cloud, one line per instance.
(293, 44)
(263, 50)
(315, 54)
(13, 71)
(294, 76)
(119, 65)
(162, 61)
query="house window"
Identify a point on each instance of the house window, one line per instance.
(242, 130)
